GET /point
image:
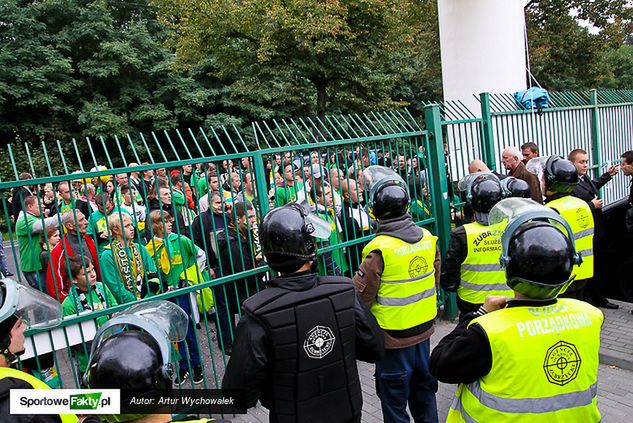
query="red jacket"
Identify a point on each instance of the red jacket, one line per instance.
(58, 287)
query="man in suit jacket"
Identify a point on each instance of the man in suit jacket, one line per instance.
(587, 189)
(511, 159)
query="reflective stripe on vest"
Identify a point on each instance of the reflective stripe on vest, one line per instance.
(544, 366)
(6, 372)
(578, 214)
(481, 272)
(406, 296)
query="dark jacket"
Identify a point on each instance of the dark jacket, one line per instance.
(464, 355)
(587, 190)
(250, 366)
(628, 217)
(17, 200)
(204, 231)
(455, 256)
(80, 205)
(236, 254)
(521, 172)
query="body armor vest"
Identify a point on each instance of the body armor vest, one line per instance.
(313, 375)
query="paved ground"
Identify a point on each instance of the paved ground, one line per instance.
(615, 383)
(615, 390)
(615, 380)
(617, 337)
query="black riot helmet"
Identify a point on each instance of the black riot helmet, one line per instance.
(485, 193)
(514, 187)
(31, 306)
(133, 350)
(539, 259)
(561, 176)
(287, 236)
(388, 193)
(390, 202)
(115, 367)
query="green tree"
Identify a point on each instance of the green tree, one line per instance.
(90, 68)
(618, 65)
(298, 56)
(567, 39)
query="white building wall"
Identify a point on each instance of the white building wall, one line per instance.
(482, 47)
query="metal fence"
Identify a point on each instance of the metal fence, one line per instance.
(287, 159)
(600, 122)
(269, 164)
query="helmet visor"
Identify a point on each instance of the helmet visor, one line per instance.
(506, 210)
(376, 177)
(538, 290)
(36, 309)
(465, 184)
(537, 165)
(314, 225)
(168, 317)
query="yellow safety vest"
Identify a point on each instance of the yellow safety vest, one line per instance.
(481, 271)
(578, 214)
(544, 366)
(406, 296)
(6, 372)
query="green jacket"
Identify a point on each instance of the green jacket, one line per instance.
(69, 308)
(182, 255)
(338, 255)
(112, 277)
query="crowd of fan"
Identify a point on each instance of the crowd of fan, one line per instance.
(113, 239)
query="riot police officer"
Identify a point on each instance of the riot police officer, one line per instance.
(397, 279)
(298, 340)
(533, 358)
(472, 266)
(133, 352)
(560, 178)
(22, 307)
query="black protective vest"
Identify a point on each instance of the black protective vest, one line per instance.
(313, 375)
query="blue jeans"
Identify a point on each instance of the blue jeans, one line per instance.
(224, 320)
(36, 280)
(402, 377)
(3, 258)
(194, 352)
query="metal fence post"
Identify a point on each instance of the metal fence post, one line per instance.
(487, 138)
(260, 180)
(439, 193)
(595, 132)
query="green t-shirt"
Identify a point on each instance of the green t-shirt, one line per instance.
(72, 304)
(112, 277)
(202, 185)
(286, 194)
(28, 243)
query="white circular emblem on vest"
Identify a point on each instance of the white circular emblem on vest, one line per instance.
(319, 342)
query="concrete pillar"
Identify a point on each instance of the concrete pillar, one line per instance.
(483, 48)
